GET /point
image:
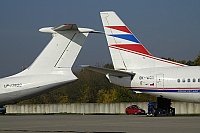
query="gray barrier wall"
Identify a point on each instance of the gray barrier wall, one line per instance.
(96, 108)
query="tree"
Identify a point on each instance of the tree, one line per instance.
(190, 63)
(87, 95)
(63, 99)
(197, 60)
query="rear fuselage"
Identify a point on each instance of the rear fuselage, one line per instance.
(15, 89)
(179, 83)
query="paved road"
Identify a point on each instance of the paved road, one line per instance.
(98, 124)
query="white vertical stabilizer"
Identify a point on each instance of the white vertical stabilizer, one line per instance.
(127, 52)
(59, 55)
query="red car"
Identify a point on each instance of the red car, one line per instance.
(134, 110)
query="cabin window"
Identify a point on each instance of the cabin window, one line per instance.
(183, 80)
(198, 79)
(188, 80)
(178, 80)
(194, 80)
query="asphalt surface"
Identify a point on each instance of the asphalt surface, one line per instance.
(98, 124)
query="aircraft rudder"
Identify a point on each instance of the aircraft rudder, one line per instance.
(127, 52)
(121, 41)
(61, 52)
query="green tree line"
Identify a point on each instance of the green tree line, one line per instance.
(92, 87)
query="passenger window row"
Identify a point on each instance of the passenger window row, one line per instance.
(188, 80)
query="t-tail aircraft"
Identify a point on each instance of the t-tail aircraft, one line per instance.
(50, 70)
(137, 69)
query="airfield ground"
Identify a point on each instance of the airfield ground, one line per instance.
(98, 124)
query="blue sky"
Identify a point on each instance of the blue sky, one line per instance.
(166, 28)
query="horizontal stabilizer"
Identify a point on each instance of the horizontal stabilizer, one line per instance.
(111, 72)
(68, 27)
(65, 27)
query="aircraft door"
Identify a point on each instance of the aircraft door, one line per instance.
(160, 81)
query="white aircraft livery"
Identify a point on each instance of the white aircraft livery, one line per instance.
(137, 69)
(50, 70)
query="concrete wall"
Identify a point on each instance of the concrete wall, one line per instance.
(96, 108)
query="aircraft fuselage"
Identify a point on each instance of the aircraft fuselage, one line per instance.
(15, 89)
(179, 83)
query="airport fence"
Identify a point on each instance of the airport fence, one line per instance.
(95, 108)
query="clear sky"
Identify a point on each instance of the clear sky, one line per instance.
(166, 28)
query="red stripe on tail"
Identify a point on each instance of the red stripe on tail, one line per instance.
(133, 47)
(120, 28)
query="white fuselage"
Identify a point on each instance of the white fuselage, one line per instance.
(179, 83)
(15, 89)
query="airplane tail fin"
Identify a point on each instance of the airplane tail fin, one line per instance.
(127, 52)
(60, 53)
